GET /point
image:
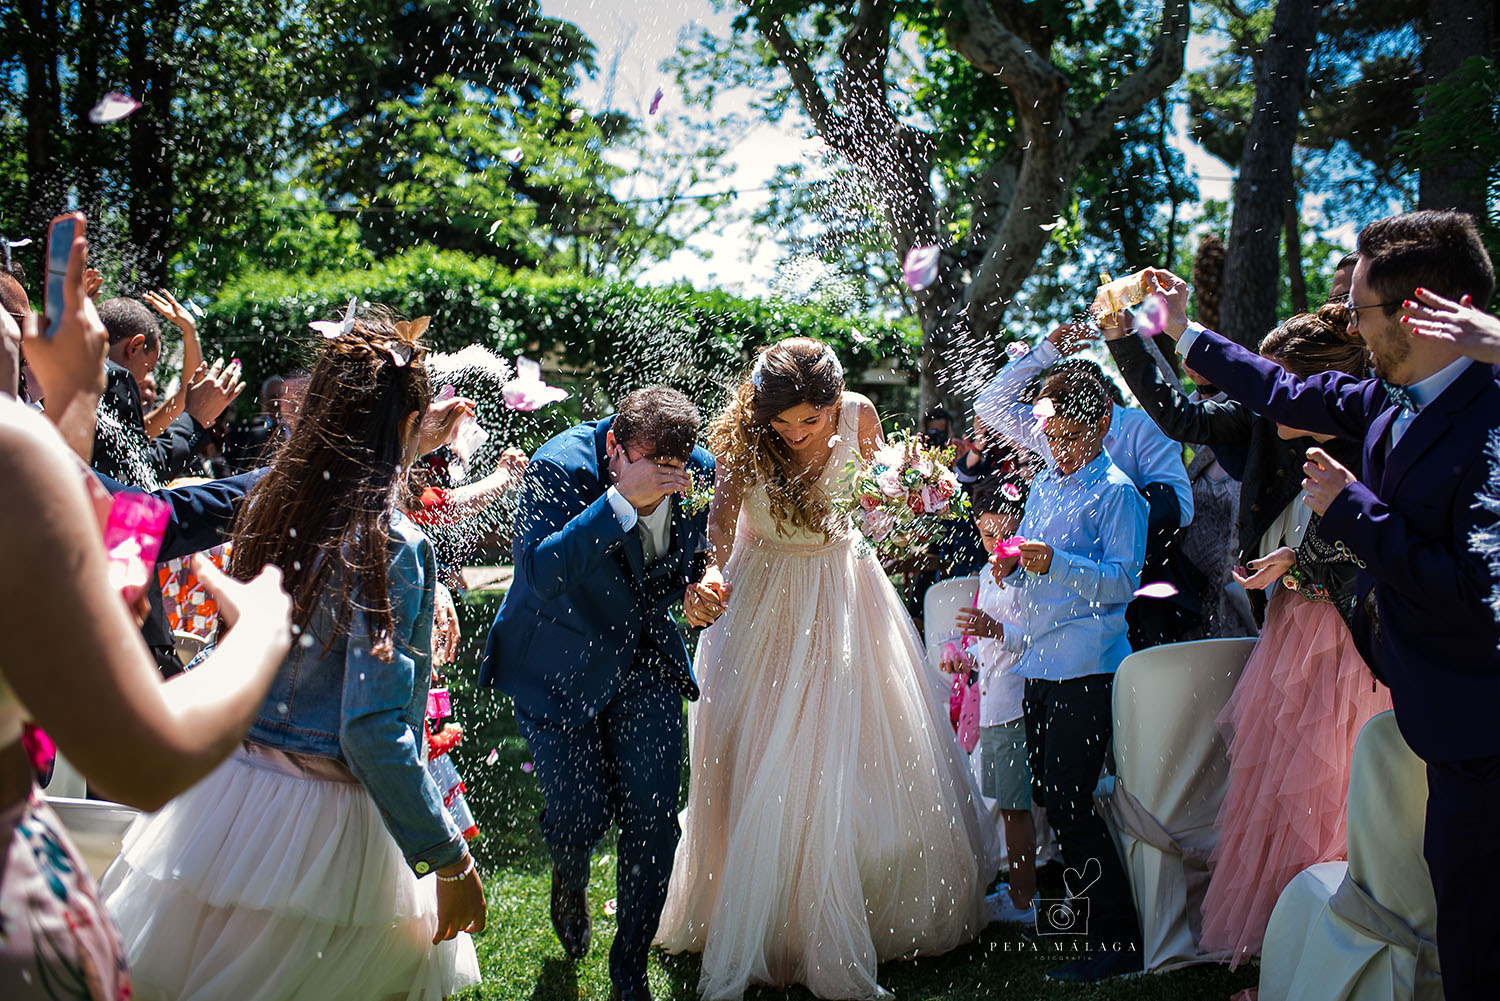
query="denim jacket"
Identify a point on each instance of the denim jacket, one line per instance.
(347, 704)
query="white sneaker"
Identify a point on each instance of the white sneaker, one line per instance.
(1002, 909)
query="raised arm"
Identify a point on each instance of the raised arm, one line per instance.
(1168, 406)
(559, 539)
(1000, 404)
(166, 304)
(77, 661)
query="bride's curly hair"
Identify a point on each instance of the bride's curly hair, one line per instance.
(322, 513)
(787, 374)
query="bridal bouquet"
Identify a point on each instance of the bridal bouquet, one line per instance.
(899, 499)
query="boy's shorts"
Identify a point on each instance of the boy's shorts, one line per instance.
(1004, 775)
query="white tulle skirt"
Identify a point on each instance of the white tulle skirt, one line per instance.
(832, 820)
(272, 879)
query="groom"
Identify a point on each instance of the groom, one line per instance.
(586, 646)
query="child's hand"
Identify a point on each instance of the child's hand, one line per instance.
(445, 631)
(1002, 567)
(166, 304)
(1036, 557)
(976, 623)
(460, 904)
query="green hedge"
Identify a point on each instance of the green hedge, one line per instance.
(610, 337)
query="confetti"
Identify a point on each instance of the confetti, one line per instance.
(1049, 227)
(1158, 589)
(1010, 492)
(195, 309)
(112, 108)
(527, 767)
(921, 267)
(1150, 317)
(1007, 548)
(655, 101)
(494, 226)
(575, 116)
(527, 391)
(1017, 349)
(513, 155)
(610, 907)
(493, 756)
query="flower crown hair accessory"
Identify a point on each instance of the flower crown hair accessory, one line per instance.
(758, 372)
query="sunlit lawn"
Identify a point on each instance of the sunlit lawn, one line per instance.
(521, 958)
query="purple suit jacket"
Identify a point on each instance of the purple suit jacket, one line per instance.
(1409, 519)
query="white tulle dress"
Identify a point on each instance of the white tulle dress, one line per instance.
(831, 820)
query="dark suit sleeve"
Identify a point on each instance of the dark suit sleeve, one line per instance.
(560, 539)
(1179, 418)
(171, 452)
(201, 513)
(1443, 575)
(1328, 403)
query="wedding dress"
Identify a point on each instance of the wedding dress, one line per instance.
(831, 820)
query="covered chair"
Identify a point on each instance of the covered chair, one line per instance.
(1363, 930)
(940, 607)
(1171, 770)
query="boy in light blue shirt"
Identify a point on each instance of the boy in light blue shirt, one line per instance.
(1079, 566)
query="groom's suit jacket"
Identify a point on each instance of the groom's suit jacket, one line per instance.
(583, 604)
(1422, 615)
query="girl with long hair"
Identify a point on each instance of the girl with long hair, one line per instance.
(303, 867)
(832, 821)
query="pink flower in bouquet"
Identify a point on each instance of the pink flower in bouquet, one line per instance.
(890, 455)
(878, 525)
(914, 500)
(933, 500)
(890, 483)
(869, 502)
(947, 485)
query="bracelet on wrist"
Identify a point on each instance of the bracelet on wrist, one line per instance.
(460, 876)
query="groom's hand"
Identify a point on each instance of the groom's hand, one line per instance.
(649, 481)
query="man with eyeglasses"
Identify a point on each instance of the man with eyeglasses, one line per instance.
(1423, 618)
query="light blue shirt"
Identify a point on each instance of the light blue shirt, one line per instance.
(1423, 393)
(655, 528)
(1134, 443)
(1073, 616)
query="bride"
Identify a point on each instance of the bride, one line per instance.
(831, 819)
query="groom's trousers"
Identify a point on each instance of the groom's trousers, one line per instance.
(624, 765)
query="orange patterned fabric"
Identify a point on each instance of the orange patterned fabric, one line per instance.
(189, 608)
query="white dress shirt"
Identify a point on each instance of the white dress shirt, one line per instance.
(655, 528)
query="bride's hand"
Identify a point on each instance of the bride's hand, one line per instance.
(705, 601)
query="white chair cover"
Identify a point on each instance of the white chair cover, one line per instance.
(1365, 929)
(1171, 770)
(940, 607)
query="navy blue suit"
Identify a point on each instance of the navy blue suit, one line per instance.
(586, 646)
(1422, 617)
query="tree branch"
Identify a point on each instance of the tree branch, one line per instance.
(978, 35)
(791, 56)
(1137, 90)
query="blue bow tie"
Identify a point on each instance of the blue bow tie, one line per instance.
(1401, 396)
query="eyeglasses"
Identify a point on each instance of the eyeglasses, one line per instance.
(1354, 310)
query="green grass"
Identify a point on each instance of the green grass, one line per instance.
(521, 959)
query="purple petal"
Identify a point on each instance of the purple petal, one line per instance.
(1158, 589)
(1151, 316)
(655, 101)
(112, 108)
(527, 767)
(921, 267)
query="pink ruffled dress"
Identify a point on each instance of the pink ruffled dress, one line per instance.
(1290, 728)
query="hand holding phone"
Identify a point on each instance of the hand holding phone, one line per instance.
(60, 236)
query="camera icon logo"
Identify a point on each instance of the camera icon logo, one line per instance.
(1069, 915)
(1062, 916)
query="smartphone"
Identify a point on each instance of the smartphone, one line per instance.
(60, 236)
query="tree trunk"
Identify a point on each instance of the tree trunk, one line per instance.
(1265, 183)
(40, 107)
(1457, 29)
(1294, 276)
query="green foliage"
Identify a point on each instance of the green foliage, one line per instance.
(602, 338)
(1462, 124)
